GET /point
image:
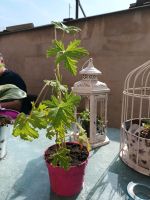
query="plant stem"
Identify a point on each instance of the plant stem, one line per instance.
(41, 96)
(55, 33)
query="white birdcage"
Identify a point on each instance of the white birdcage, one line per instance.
(135, 120)
(94, 95)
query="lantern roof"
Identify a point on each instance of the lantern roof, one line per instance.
(90, 87)
(89, 83)
(90, 69)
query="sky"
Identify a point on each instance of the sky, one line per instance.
(42, 12)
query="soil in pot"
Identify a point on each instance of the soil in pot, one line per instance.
(78, 154)
(145, 133)
(4, 120)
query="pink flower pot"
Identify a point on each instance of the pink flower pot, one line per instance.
(66, 182)
(9, 113)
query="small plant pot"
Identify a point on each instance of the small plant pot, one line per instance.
(5, 129)
(66, 182)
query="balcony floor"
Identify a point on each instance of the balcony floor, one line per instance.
(24, 176)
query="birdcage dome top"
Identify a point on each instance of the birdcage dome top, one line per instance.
(137, 82)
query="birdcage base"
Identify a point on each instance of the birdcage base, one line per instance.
(100, 143)
(134, 149)
(131, 164)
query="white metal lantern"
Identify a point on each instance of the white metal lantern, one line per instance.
(95, 95)
(135, 120)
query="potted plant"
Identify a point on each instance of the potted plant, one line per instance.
(145, 130)
(7, 92)
(65, 161)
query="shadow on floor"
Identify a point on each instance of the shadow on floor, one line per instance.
(115, 180)
(100, 186)
(34, 184)
(126, 175)
(110, 184)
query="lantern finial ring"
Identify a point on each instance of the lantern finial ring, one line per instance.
(88, 61)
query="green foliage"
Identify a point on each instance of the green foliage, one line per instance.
(24, 129)
(56, 114)
(10, 92)
(69, 56)
(2, 65)
(62, 157)
(66, 29)
(82, 137)
(85, 115)
(57, 86)
(146, 124)
(62, 111)
(85, 120)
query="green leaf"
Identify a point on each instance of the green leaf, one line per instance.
(10, 92)
(68, 56)
(85, 115)
(19, 123)
(24, 129)
(38, 120)
(57, 48)
(61, 158)
(66, 29)
(71, 55)
(50, 132)
(72, 29)
(71, 65)
(72, 99)
(73, 50)
(27, 126)
(62, 111)
(59, 45)
(57, 85)
(82, 138)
